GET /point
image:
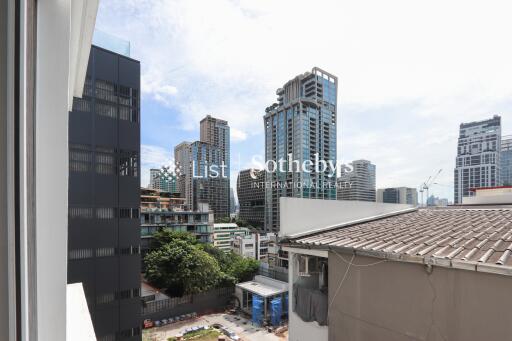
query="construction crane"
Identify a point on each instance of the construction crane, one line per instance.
(426, 185)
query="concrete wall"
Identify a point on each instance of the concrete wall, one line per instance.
(307, 215)
(400, 301)
(298, 329)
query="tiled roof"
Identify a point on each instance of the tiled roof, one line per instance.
(472, 239)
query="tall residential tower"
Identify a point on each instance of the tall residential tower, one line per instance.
(478, 157)
(301, 125)
(204, 167)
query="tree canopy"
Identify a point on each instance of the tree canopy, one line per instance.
(183, 266)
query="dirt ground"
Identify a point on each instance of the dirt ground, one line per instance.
(241, 326)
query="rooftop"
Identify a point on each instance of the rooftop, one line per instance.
(264, 286)
(478, 239)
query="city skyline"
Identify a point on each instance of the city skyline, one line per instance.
(401, 110)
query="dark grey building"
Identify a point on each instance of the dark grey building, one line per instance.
(104, 194)
(251, 196)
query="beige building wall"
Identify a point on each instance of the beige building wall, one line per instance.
(396, 301)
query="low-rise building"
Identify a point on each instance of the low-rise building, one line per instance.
(159, 211)
(264, 299)
(489, 196)
(225, 233)
(398, 273)
(254, 245)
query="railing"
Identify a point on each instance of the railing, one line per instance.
(275, 272)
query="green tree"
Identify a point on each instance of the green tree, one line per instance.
(183, 268)
(244, 269)
(240, 268)
(165, 236)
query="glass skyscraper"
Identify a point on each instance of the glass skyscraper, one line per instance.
(302, 124)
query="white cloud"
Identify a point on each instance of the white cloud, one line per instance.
(238, 135)
(450, 59)
(153, 157)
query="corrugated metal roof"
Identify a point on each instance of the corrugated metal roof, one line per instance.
(472, 239)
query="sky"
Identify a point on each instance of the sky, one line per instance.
(409, 73)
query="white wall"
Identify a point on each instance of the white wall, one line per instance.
(307, 215)
(53, 35)
(64, 34)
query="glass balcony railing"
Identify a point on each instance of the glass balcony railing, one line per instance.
(111, 43)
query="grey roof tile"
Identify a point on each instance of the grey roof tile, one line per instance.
(477, 239)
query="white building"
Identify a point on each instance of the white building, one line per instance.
(225, 233)
(489, 196)
(478, 157)
(254, 245)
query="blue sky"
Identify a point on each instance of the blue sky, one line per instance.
(409, 73)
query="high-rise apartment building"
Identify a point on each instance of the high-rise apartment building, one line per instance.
(183, 163)
(104, 194)
(203, 168)
(357, 184)
(301, 126)
(215, 131)
(398, 195)
(209, 184)
(478, 157)
(251, 196)
(506, 160)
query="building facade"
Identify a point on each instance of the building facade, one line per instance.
(225, 233)
(159, 211)
(506, 161)
(398, 195)
(104, 196)
(215, 132)
(478, 157)
(300, 126)
(203, 168)
(251, 196)
(359, 183)
(254, 245)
